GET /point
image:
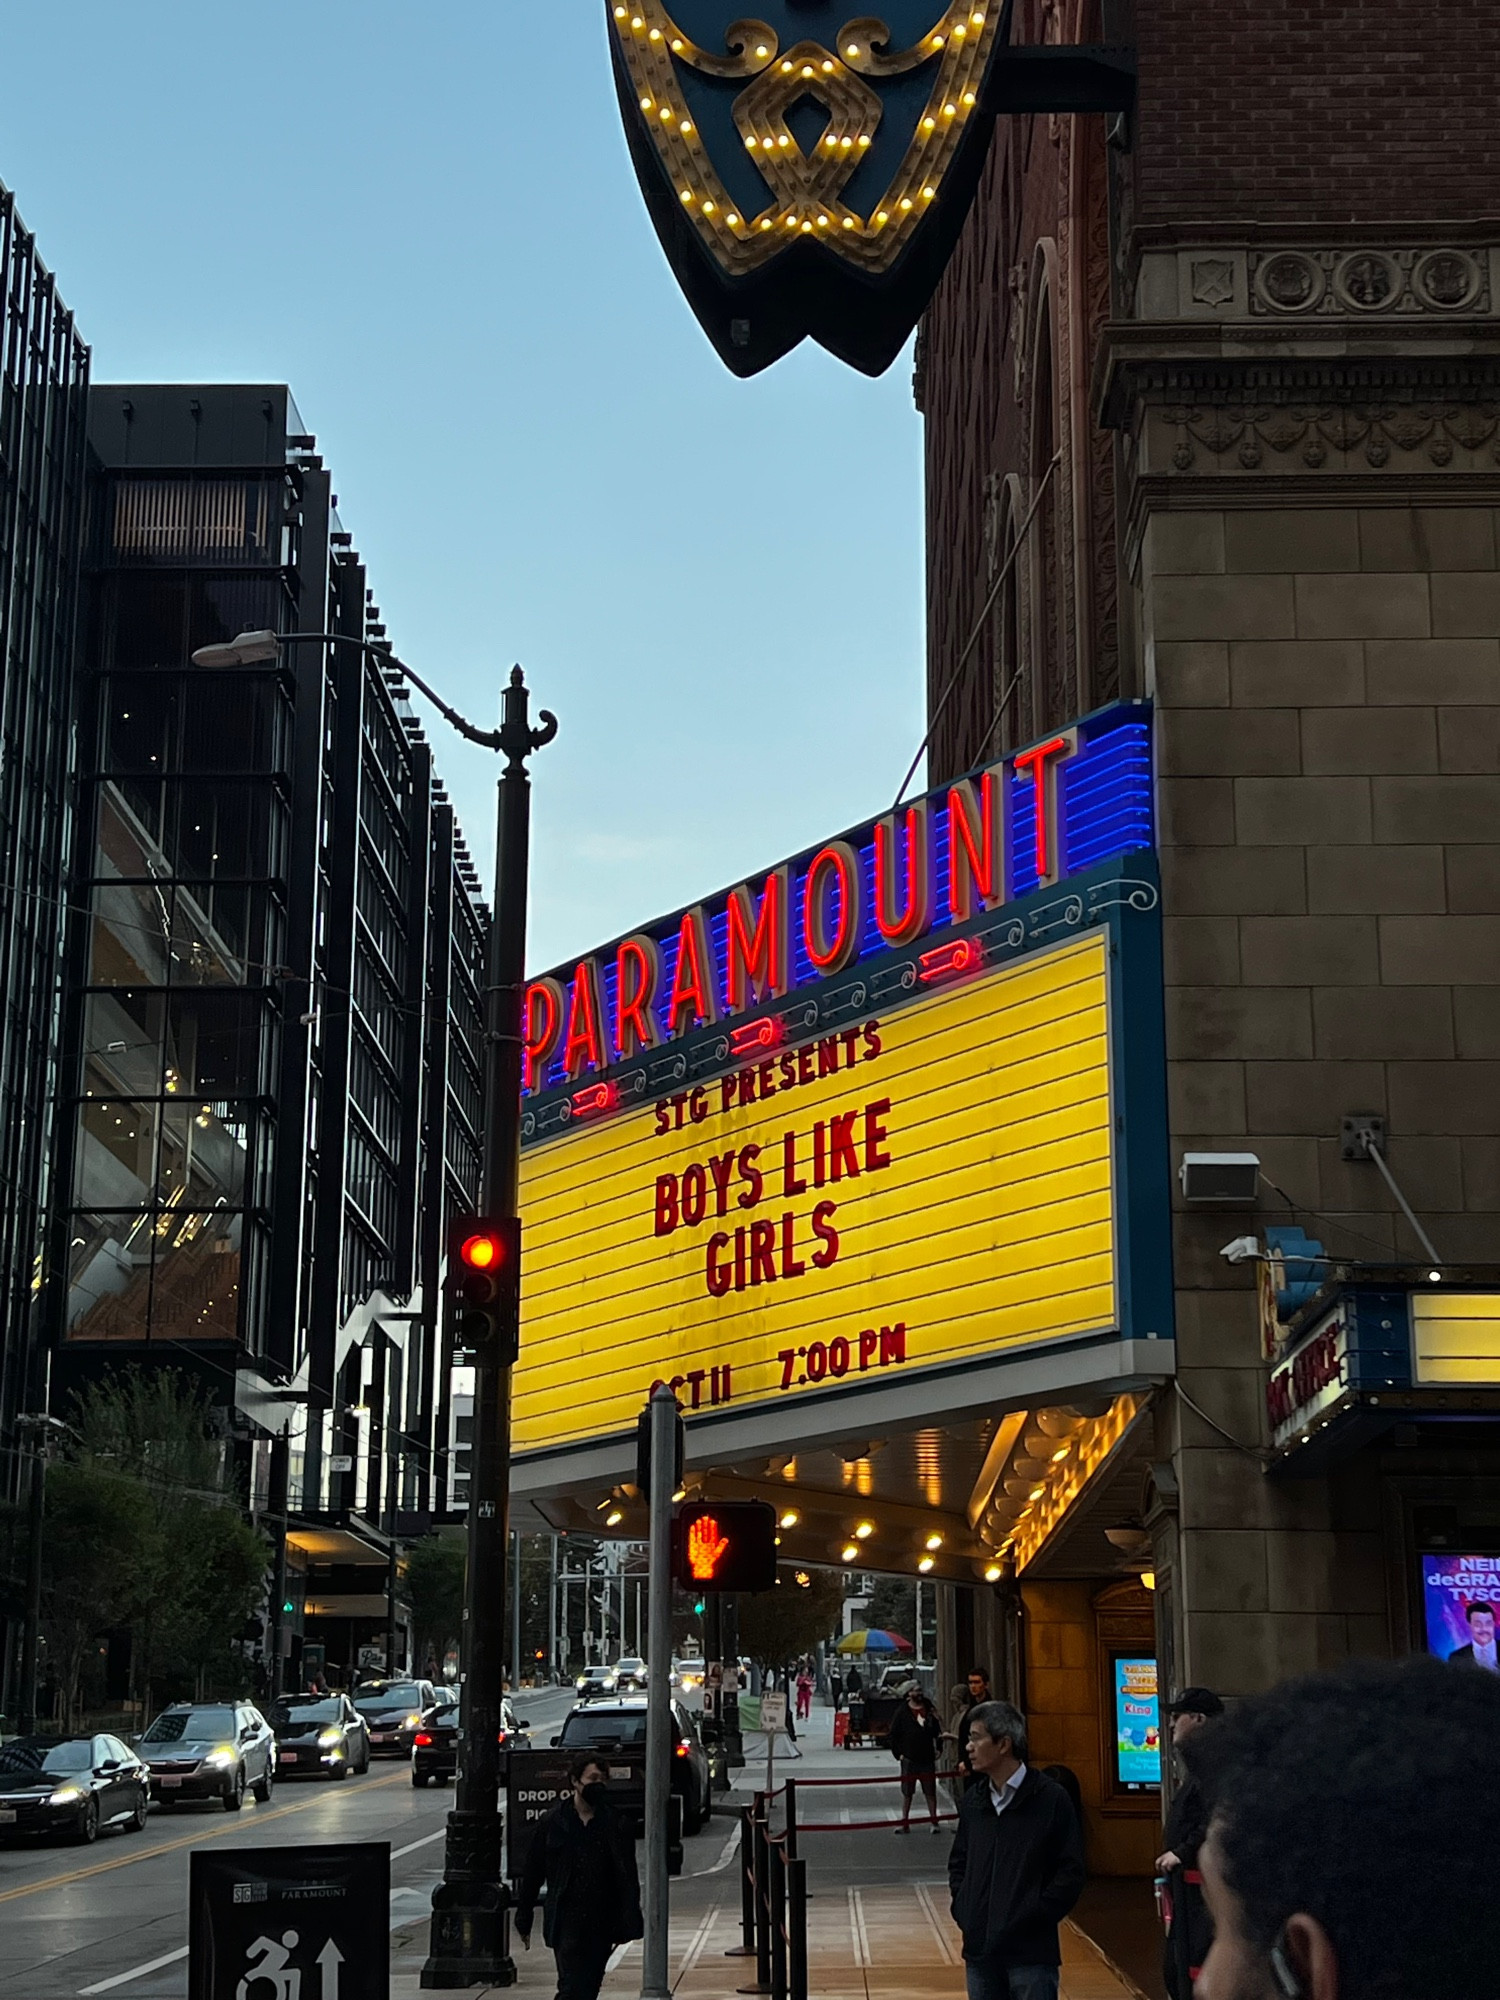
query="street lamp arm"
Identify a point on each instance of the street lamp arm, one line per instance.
(251, 648)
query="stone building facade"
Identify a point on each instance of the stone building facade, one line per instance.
(1212, 399)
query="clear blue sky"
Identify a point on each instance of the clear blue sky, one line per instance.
(423, 218)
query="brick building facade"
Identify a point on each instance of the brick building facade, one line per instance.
(1254, 331)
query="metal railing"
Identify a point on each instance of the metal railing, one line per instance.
(773, 1904)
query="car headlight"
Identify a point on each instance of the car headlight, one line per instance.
(330, 1738)
(66, 1795)
(412, 1722)
(220, 1759)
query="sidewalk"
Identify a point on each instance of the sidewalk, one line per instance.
(891, 1943)
(878, 1923)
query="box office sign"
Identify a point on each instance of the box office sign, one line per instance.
(306, 1923)
(941, 1150)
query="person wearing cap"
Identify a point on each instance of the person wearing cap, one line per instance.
(1191, 1931)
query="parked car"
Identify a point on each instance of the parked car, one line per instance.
(435, 1746)
(630, 1675)
(210, 1750)
(76, 1786)
(594, 1683)
(320, 1733)
(393, 1712)
(621, 1725)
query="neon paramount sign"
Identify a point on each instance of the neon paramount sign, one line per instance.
(925, 869)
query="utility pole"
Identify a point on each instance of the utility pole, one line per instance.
(471, 1907)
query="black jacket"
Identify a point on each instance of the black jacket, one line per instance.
(1015, 1875)
(915, 1739)
(589, 1872)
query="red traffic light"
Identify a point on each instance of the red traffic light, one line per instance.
(482, 1252)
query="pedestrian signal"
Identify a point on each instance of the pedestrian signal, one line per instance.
(724, 1545)
(484, 1285)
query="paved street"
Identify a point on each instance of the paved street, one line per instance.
(113, 1918)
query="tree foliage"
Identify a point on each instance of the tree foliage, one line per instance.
(778, 1625)
(144, 1531)
(435, 1583)
(893, 1607)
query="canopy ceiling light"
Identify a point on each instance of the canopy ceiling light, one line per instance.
(809, 168)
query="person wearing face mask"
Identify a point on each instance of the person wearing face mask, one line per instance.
(583, 1857)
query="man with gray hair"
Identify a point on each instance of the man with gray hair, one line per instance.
(1017, 1863)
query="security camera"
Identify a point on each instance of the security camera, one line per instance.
(1243, 1250)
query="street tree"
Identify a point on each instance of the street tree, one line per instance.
(435, 1583)
(797, 1616)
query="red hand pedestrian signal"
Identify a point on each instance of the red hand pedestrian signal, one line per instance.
(724, 1545)
(706, 1548)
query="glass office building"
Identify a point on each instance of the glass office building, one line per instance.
(43, 387)
(275, 1041)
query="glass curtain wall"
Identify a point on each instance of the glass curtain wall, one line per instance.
(186, 894)
(43, 388)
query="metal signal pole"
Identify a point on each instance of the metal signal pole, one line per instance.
(656, 1982)
(471, 1906)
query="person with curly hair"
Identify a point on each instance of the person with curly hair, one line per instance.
(1353, 1852)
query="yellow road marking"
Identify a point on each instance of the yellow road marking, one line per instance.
(261, 1818)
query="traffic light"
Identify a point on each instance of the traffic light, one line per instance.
(724, 1545)
(484, 1286)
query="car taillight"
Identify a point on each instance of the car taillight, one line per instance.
(682, 1750)
(422, 1741)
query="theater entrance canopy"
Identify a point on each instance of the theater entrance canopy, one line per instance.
(866, 1157)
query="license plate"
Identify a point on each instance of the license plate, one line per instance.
(383, 1736)
(619, 1770)
(288, 1756)
(7, 1817)
(168, 1783)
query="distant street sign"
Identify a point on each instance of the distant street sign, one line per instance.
(290, 1923)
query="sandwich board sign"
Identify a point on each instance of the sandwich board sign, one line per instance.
(290, 1923)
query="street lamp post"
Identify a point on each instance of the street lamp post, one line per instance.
(41, 1428)
(470, 1907)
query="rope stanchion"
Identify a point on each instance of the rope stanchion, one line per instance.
(762, 1901)
(790, 1831)
(797, 1928)
(776, 1884)
(746, 1946)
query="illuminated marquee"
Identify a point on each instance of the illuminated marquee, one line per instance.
(609, 1029)
(894, 1108)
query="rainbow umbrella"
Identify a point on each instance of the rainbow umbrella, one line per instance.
(873, 1641)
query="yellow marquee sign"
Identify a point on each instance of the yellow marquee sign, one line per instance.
(921, 1188)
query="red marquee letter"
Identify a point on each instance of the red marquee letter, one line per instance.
(755, 951)
(584, 1047)
(693, 981)
(914, 916)
(1041, 764)
(832, 942)
(976, 845)
(541, 1025)
(637, 982)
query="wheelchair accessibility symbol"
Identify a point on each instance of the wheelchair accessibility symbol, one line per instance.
(271, 1975)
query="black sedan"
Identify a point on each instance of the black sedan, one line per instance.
(319, 1735)
(435, 1747)
(393, 1712)
(621, 1725)
(76, 1787)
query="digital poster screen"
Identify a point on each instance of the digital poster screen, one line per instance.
(1461, 1606)
(1137, 1723)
